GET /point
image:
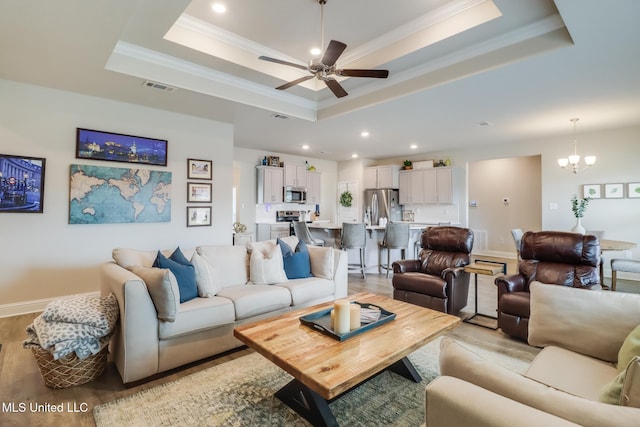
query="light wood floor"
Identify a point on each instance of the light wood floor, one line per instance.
(21, 383)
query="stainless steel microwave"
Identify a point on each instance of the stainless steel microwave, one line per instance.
(295, 195)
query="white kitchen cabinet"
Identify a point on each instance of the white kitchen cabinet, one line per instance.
(444, 180)
(426, 186)
(385, 176)
(411, 185)
(314, 185)
(270, 184)
(272, 231)
(295, 176)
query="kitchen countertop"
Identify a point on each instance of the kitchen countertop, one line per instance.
(333, 226)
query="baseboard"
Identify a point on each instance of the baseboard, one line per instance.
(33, 306)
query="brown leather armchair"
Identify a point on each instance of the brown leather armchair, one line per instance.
(550, 257)
(437, 279)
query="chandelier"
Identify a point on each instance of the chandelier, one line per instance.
(572, 163)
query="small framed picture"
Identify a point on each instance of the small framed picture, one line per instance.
(199, 192)
(198, 216)
(273, 161)
(199, 169)
(613, 191)
(633, 190)
(591, 191)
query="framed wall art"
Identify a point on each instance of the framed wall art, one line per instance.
(107, 195)
(198, 216)
(117, 147)
(613, 191)
(633, 190)
(591, 191)
(199, 169)
(198, 192)
(273, 161)
(21, 184)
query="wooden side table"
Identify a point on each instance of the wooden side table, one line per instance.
(487, 268)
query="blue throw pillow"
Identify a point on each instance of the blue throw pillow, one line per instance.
(185, 273)
(296, 264)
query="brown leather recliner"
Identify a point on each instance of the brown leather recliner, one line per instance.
(550, 257)
(437, 280)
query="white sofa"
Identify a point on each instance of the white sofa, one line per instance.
(582, 334)
(145, 345)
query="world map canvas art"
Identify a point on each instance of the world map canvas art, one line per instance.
(105, 195)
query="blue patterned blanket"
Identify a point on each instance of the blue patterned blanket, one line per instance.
(81, 324)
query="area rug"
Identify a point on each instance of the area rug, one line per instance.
(240, 393)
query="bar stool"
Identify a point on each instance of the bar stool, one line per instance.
(353, 236)
(396, 236)
(301, 230)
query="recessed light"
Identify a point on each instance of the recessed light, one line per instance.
(219, 8)
(364, 134)
(316, 51)
(354, 156)
(305, 147)
(485, 123)
(413, 146)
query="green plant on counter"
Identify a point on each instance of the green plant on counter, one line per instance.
(579, 206)
(407, 164)
(346, 199)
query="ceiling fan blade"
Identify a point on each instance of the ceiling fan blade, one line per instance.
(293, 83)
(335, 87)
(279, 61)
(334, 50)
(378, 74)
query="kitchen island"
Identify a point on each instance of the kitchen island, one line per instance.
(330, 233)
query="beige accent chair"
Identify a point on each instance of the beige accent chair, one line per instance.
(581, 333)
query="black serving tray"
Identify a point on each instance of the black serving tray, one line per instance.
(321, 321)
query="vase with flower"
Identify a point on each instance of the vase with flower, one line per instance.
(579, 206)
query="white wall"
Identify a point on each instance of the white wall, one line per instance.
(42, 255)
(517, 179)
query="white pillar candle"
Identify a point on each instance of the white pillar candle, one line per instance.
(354, 316)
(333, 320)
(341, 323)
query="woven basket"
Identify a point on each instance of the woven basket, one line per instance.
(69, 371)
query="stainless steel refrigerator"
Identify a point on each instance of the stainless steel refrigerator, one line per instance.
(382, 203)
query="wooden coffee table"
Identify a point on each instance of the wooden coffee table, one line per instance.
(324, 368)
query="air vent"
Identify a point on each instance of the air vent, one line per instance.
(160, 86)
(280, 116)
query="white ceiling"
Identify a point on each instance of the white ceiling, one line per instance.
(527, 66)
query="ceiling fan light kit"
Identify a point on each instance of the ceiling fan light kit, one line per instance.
(326, 68)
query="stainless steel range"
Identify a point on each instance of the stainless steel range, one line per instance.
(288, 216)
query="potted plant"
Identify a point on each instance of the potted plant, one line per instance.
(579, 206)
(407, 165)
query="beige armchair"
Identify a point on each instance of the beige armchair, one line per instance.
(563, 383)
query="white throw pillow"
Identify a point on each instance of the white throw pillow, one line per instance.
(163, 289)
(267, 268)
(322, 261)
(207, 287)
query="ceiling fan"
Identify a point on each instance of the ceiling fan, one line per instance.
(326, 67)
